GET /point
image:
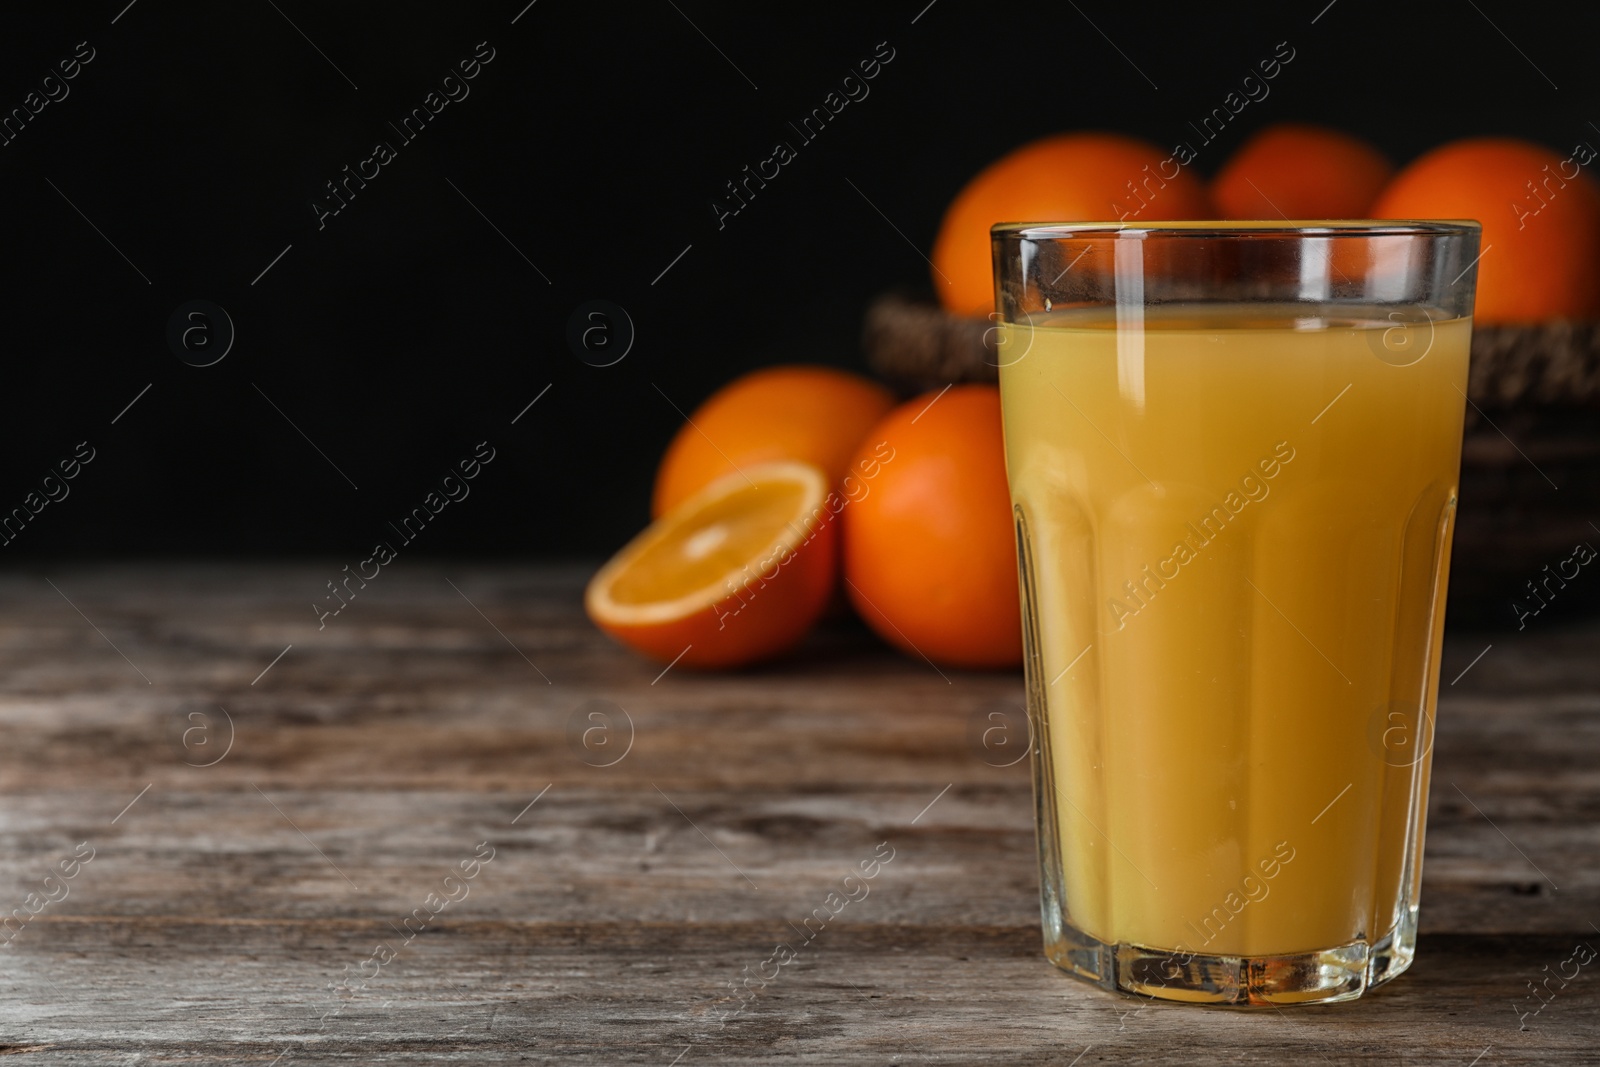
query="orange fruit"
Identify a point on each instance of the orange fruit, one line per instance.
(810, 414)
(1070, 177)
(930, 556)
(1299, 171)
(737, 573)
(1541, 223)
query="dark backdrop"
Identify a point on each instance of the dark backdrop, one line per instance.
(425, 315)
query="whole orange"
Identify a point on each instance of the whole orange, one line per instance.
(930, 557)
(809, 414)
(1298, 171)
(1070, 177)
(1540, 252)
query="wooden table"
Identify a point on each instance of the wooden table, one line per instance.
(233, 912)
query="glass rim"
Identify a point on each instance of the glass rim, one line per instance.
(1239, 228)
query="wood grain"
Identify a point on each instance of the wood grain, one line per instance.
(222, 908)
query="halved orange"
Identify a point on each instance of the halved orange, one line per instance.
(736, 573)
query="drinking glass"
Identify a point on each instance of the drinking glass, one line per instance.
(1233, 451)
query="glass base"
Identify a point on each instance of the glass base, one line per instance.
(1324, 976)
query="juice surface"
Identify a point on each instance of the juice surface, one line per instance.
(1238, 523)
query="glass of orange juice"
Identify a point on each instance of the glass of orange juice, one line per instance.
(1233, 451)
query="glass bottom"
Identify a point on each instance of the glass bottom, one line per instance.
(1324, 976)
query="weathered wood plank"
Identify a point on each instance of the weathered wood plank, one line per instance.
(633, 854)
(605, 992)
(378, 752)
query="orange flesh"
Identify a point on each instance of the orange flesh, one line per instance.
(722, 539)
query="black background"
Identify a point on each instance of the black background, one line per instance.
(407, 330)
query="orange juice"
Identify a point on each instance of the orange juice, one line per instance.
(1235, 529)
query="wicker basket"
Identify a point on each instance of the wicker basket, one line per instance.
(1530, 462)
